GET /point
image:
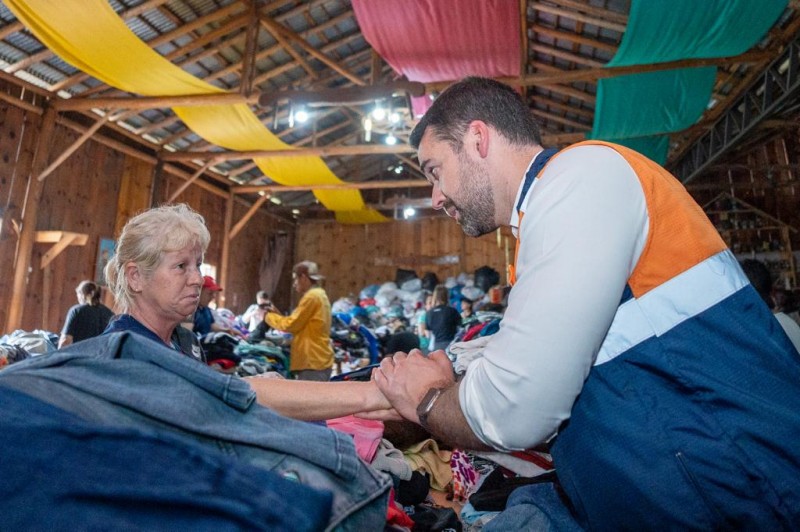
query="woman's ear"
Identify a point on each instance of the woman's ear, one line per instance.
(134, 276)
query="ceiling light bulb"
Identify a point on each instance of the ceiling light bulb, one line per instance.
(301, 116)
(398, 169)
(408, 212)
(295, 211)
(276, 200)
(391, 140)
(379, 113)
(394, 118)
(367, 124)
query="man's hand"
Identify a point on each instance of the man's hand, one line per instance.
(404, 379)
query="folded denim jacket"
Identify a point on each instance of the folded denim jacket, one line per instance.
(126, 380)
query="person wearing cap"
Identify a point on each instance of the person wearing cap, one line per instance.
(633, 346)
(205, 318)
(311, 356)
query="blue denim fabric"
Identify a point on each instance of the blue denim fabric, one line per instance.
(127, 380)
(61, 473)
(534, 507)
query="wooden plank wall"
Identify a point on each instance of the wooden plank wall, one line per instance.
(95, 192)
(18, 130)
(354, 256)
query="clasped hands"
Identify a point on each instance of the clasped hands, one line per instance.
(402, 380)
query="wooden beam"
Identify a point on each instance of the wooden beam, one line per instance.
(278, 36)
(563, 77)
(30, 215)
(599, 12)
(573, 37)
(12, 28)
(67, 239)
(289, 34)
(567, 56)
(155, 102)
(375, 66)
(559, 139)
(318, 151)
(20, 103)
(567, 108)
(74, 146)
(361, 185)
(250, 46)
(594, 18)
(191, 180)
(246, 218)
(566, 121)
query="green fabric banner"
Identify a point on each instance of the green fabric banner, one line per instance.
(641, 109)
(670, 30)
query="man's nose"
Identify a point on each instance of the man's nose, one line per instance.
(437, 198)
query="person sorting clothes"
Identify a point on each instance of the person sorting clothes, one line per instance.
(311, 356)
(88, 318)
(632, 344)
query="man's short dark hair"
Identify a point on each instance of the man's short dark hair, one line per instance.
(484, 99)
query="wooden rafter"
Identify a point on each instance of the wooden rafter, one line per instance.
(366, 185)
(294, 37)
(318, 151)
(602, 18)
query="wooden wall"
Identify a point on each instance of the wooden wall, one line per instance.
(354, 256)
(94, 192)
(18, 132)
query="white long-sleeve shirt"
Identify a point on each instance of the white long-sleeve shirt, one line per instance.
(584, 227)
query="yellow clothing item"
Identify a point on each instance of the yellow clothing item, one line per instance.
(427, 456)
(310, 323)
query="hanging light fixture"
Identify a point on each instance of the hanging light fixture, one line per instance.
(379, 113)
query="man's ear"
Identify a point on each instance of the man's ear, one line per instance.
(478, 137)
(134, 276)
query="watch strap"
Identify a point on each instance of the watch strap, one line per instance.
(426, 406)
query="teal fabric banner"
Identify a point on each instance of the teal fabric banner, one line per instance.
(641, 109)
(652, 103)
(670, 30)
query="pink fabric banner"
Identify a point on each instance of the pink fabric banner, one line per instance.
(443, 40)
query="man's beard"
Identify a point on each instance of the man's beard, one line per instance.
(476, 205)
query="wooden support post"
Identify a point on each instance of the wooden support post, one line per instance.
(250, 47)
(157, 183)
(47, 293)
(61, 240)
(226, 246)
(28, 233)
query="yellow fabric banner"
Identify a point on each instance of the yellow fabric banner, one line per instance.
(90, 36)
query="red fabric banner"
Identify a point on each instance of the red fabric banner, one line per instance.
(443, 40)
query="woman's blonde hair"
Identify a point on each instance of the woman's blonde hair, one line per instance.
(145, 239)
